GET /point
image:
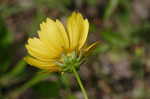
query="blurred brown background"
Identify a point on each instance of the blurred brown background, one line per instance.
(118, 69)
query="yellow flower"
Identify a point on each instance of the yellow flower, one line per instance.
(57, 47)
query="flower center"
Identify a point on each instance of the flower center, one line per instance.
(67, 61)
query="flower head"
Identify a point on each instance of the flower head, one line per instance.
(57, 48)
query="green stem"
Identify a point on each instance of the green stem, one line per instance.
(80, 83)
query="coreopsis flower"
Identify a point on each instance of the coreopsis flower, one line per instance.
(58, 48)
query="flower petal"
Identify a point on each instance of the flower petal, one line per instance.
(41, 64)
(39, 50)
(77, 29)
(87, 50)
(63, 34)
(91, 47)
(84, 34)
(53, 35)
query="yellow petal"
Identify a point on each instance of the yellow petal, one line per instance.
(53, 35)
(77, 29)
(92, 46)
(41, 64)
(87, 51)
(39, 50)
(54, 69)
(63, 34)
(84, 34)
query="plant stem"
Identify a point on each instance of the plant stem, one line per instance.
(80, 83)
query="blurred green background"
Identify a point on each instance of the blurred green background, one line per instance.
(118, 69)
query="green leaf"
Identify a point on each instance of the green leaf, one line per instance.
(91, 2)
(5, 43)
(47, 89)
(101, 49)
(114, 39)
(11, 76)
(33, 81)
(110, 8)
